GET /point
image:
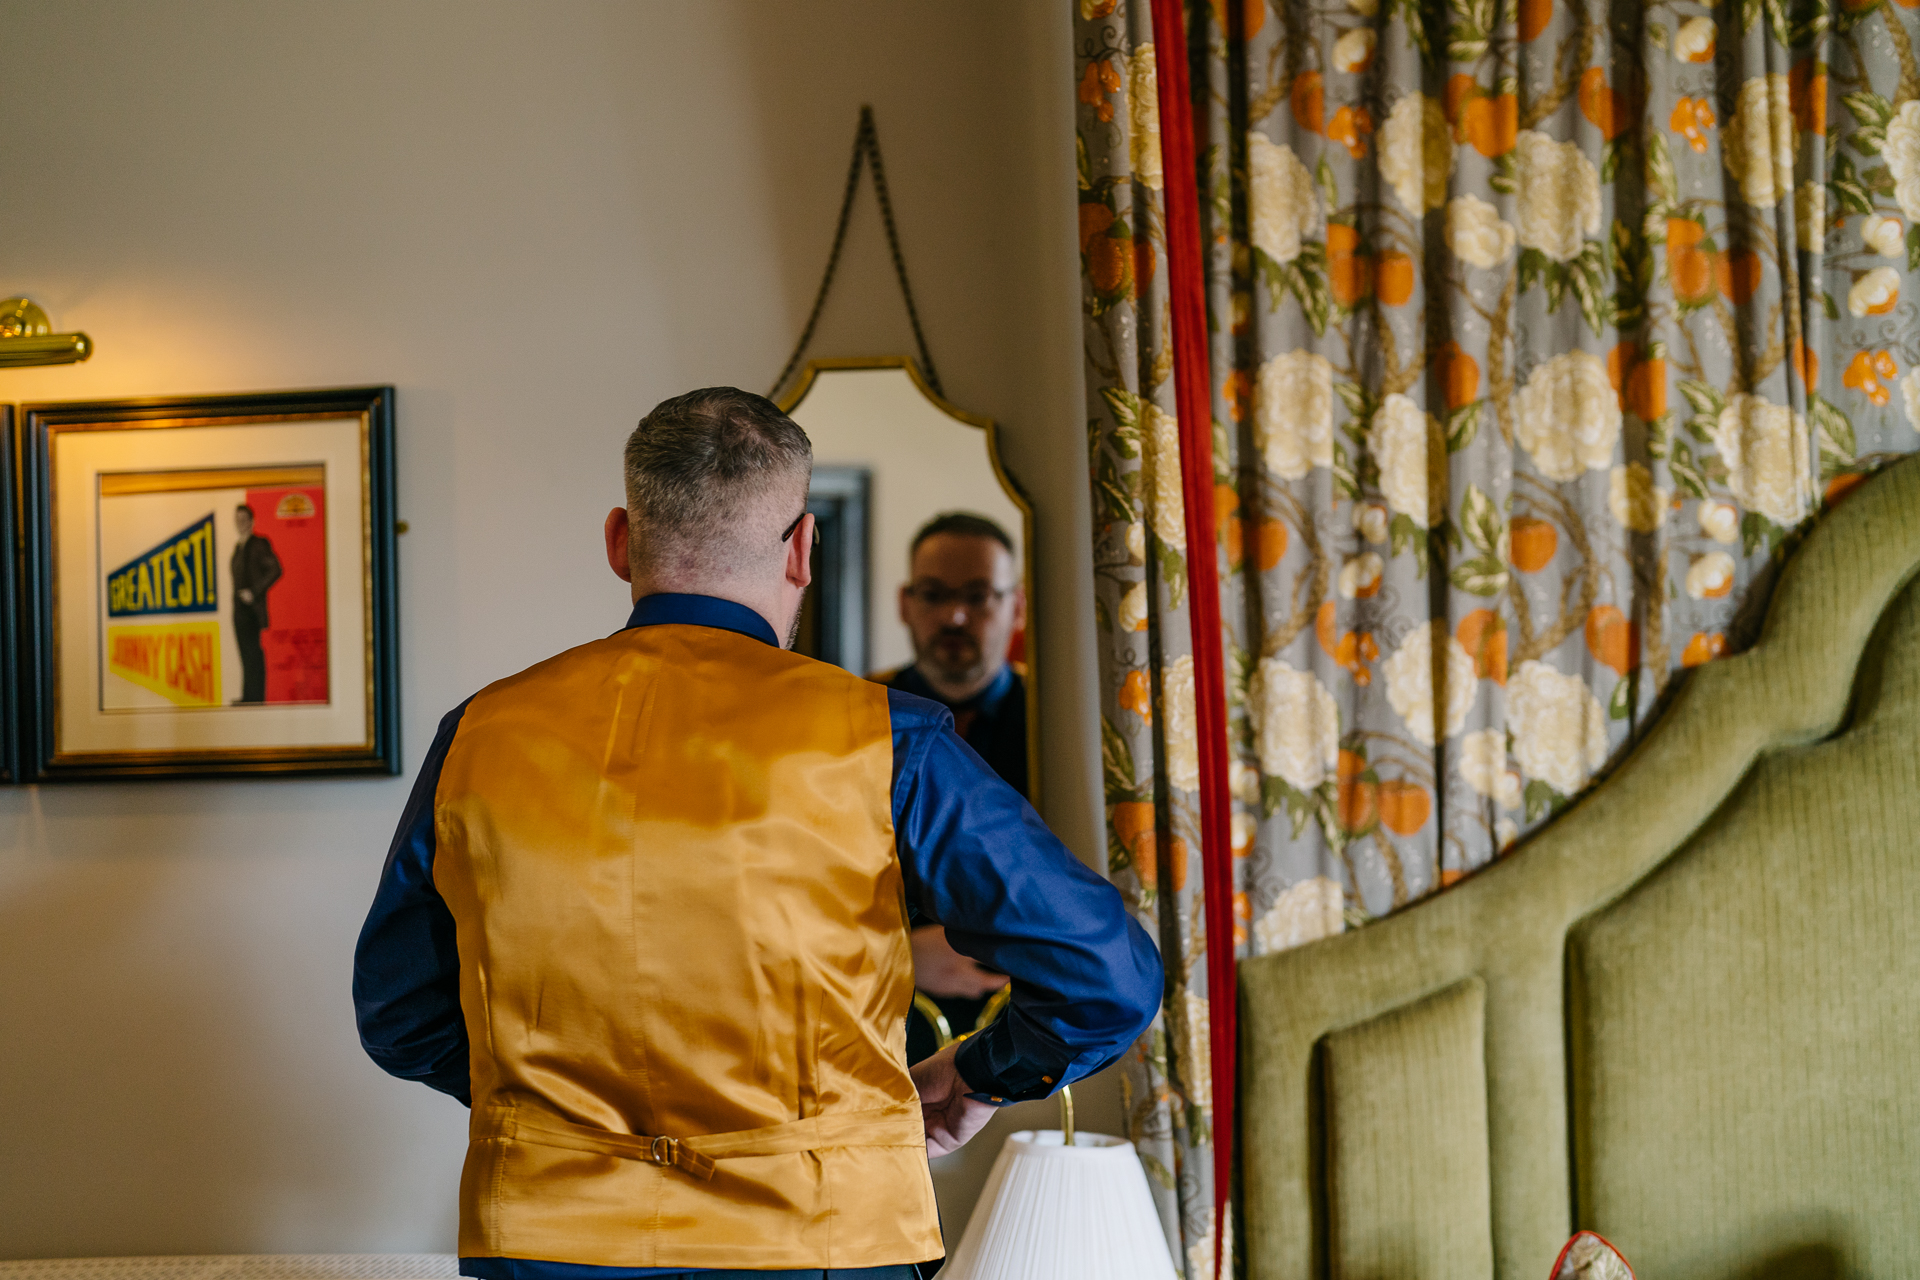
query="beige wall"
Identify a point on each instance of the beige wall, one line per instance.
(535, 220)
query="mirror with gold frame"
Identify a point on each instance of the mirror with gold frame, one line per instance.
(889, 456)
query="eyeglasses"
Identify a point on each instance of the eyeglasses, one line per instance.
(796, 524)
(930, 595)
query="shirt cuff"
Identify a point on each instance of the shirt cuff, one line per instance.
(997, 1075)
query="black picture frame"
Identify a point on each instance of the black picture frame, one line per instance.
(835, 621)
(11, 691)
(44, 756)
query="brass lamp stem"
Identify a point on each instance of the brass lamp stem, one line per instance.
(1066, 1116)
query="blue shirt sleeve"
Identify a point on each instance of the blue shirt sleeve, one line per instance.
(1086, 978)
(406, 968)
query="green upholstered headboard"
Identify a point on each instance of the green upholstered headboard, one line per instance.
(1685, 1015)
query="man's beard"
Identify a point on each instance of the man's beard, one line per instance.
(793, 632)
(965, 665)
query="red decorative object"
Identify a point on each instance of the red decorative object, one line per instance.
(1193, 406)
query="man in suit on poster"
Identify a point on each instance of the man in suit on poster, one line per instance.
(255, 569)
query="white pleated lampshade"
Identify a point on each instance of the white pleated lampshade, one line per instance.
(1054, 1212)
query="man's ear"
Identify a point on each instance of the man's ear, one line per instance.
(617, 533)
(800, 554)
(1020, 606)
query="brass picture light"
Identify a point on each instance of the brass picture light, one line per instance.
(26, 337)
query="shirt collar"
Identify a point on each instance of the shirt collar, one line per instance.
(669, 608)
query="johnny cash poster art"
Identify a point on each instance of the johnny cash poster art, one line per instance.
(214, 588)
(217, 585)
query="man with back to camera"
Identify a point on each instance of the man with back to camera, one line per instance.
(962, 602)
(646, 914)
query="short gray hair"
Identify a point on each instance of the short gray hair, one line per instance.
(696, 467)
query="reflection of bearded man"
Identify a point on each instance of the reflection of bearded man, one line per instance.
(962, 603)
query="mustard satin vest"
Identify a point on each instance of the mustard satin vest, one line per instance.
(684, 964)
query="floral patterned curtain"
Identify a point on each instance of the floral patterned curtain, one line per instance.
(1539, 332)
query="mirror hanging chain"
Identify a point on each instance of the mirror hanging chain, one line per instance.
(866, 149)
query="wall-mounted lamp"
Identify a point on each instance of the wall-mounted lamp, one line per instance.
(27, 338)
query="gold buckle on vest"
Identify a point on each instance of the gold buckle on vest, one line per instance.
(668, 1153)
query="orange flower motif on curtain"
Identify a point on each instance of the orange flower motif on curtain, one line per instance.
(1535, 343)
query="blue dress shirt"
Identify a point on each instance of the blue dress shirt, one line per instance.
(975, 857)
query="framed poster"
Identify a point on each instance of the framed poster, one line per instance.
(211, 586)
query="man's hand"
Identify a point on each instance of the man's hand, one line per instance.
(950, 1116)
(939, 970)
(245, 595)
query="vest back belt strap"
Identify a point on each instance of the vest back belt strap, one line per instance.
(695, 1156)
